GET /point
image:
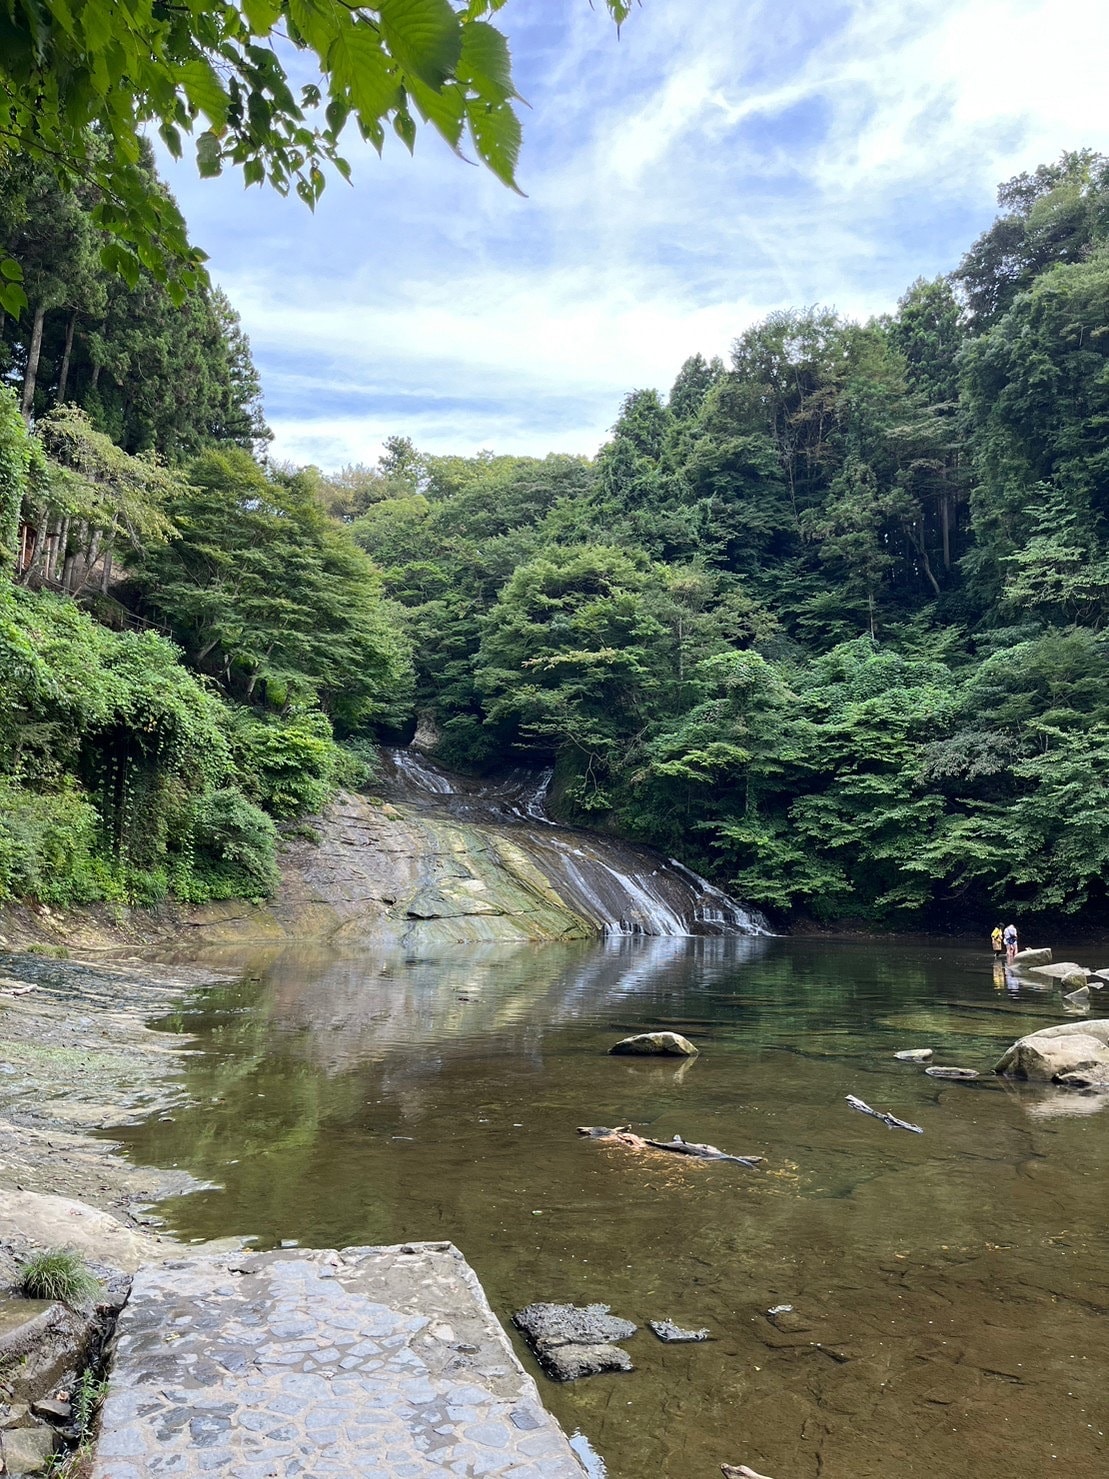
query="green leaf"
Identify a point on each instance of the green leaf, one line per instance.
(13, 299)
(425, 36)
(360, 66)
(445, 109)
(404, 126)
(171, 137)
(208, 156)
(10, 270)
(261, 15)
(496, 134)
(254, 172)
(204, 90)
(317, 21)
(338, 111)
(485, 62)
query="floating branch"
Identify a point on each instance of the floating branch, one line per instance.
(887, 1119)
(624, 1136)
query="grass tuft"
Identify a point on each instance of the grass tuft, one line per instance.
(59, 1274)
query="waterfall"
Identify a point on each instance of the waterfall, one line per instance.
(419, 773)
(622, 890)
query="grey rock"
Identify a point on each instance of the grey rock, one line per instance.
(51, 1410)
(1059, 972)
(1080, 997)
(665, 1044)
(570, 1360)
(590, 1323)
(1033, 957)
(44, 1343)
(942, 1072)
(914, 1055)
(668, 1331)
(1071, 1047)
(571, 1341)
(27, 1450)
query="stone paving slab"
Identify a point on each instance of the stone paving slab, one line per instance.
(370, 1363)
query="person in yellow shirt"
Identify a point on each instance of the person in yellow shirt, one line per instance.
(998, 943)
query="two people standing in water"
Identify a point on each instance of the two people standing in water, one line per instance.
(1004, 942)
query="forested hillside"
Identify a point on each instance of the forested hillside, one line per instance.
(827, 622)
(192, 652)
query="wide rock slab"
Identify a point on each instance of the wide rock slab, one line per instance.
(375, 1362)
(1071, 1047)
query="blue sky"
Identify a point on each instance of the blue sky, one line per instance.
(722, 159)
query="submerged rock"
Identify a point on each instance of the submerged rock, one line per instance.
(571, 1341)
(1079, 997)
(914, 1055)
(664, 1044)
(941, 1072)
(1071, 1047)
(668, 1331)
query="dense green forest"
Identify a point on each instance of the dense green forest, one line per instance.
(827, 621)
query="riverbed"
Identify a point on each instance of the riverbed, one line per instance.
(946, 1291)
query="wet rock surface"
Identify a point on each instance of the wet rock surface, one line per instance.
(386, 1363)
(572, 1341)
(76, 1055)
(667, 1331)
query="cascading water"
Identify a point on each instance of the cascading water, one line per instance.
(621, 889)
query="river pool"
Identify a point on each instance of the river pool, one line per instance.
(949, 1290)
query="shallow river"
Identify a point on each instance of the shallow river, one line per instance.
(949, 1290)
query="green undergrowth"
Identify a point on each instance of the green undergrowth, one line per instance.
(125, 778)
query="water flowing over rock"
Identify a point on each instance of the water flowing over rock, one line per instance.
(435, 859)
(612, 887)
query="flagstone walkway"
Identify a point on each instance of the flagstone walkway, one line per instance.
(372, 1363)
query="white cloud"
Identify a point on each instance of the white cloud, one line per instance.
(720, 161)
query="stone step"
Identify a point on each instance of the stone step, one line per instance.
(370, 1363)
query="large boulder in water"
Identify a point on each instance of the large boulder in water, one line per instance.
(666, 1044)
(1033, 957)
(1072, 1047)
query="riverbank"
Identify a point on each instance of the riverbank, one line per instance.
(76, 1056)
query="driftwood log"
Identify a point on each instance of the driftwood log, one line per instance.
(887, 1119)
(624, 1136)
